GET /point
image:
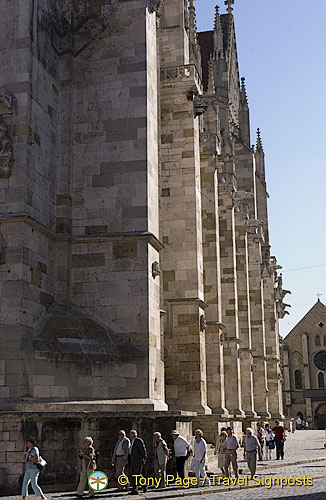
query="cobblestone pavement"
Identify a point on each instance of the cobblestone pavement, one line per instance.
(302, 446)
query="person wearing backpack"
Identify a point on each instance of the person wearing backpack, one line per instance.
(270, 443)
(32, 456)
(88, 465)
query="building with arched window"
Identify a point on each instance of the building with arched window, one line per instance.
(304, 368)
(321, 380)
(297, 379)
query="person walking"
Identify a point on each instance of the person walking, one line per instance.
(181, 450)
(232, 444)
(31, 457)
(200, 455)
(220, 451)
(269, 440)
(120, 456)
(251, 444)
(279, 432)
(161, 458)
(88, 465)
(137, 459)
(261, 439)
(298, 424)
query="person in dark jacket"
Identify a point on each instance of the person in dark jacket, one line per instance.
(137, 459)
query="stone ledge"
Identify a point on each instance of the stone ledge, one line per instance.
(97, 406)
(81, 238)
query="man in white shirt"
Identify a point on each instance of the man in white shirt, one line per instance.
(232, 444)
(120, 455)
(181, 448)
(251, 445)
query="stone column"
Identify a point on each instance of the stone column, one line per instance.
(274, 374)
(257, 319)
(181, 229)
(244, 310)
(212, 276)
(229, 292)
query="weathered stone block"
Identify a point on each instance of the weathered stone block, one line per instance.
(125, 249)
(96, 229)
(88, 260)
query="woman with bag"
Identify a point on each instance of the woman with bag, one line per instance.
(88, 465)
(32, 456)
(220, 451)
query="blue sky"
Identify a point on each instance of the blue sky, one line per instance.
(282, 55)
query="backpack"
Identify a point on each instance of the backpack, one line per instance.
(271, 444)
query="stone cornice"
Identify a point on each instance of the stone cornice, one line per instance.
(81, 238)
(186, 75)
(190, 300)
(233, 339)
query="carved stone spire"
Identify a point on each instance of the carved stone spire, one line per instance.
(217, 17)
(218, 33)
(228, 3)
(260, 157)
(244, 119)
(192, 23)
(243, 93)
(259, 145)
(195, 53)
(211, 79)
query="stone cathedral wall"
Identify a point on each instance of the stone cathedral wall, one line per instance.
(79, 211)
(135, 265)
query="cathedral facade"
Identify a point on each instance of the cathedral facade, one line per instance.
(304, 367)
(135, 264)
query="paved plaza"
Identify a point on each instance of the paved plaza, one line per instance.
(304, 458)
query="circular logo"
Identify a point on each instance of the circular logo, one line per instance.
(98, 481)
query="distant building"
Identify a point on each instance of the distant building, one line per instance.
(304, 368)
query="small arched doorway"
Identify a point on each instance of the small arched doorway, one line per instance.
(320, 416)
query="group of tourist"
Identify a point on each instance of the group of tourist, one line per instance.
(253, 444)
(132, 451)
(301, 424)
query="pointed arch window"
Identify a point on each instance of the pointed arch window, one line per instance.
(297, 379)
(317, 340)
(321, 381)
